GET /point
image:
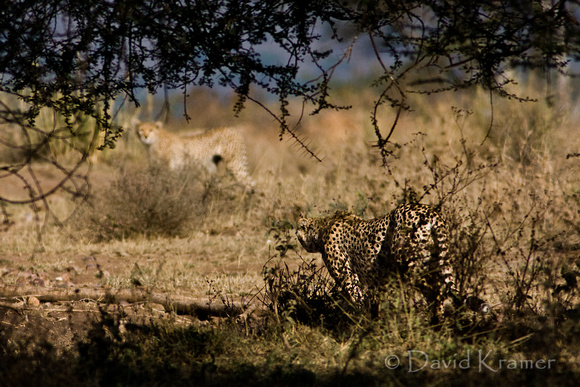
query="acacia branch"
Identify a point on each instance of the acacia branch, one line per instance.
(382, 142)
(285, 127)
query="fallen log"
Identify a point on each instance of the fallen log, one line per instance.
(202, 309)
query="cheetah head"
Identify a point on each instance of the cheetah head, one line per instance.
(148, 131)
(308, 235)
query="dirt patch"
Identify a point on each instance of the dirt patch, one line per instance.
(63, 317)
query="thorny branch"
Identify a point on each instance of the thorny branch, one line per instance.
(64, 152)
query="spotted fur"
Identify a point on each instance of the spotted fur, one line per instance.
(207, 149)
(360, 255)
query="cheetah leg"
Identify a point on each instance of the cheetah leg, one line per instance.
(238, 167)
(344, 274)
(352, 285)
(433, 288)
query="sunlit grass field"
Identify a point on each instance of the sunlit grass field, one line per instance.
(509, 191)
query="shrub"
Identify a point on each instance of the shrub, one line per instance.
(148, 201)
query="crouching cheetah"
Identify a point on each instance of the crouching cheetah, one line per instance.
(207, 149)
(361, 254)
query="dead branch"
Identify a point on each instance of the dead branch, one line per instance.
(203, 310)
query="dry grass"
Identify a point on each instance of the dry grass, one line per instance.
(512, 200)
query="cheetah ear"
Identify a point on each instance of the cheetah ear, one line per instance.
(159, 124)
(134, 123)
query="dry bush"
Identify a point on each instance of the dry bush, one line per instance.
(305, 295)
(149, 201)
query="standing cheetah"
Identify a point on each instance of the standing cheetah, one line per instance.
(360, 255)
(207, 149)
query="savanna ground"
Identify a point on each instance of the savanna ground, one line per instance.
(186, 279)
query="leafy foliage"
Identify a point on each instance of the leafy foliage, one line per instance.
(77, 56)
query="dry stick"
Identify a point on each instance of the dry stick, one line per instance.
(490, 119)
(347, 55)
(292, 133)
(382, 142)
(202, 310)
